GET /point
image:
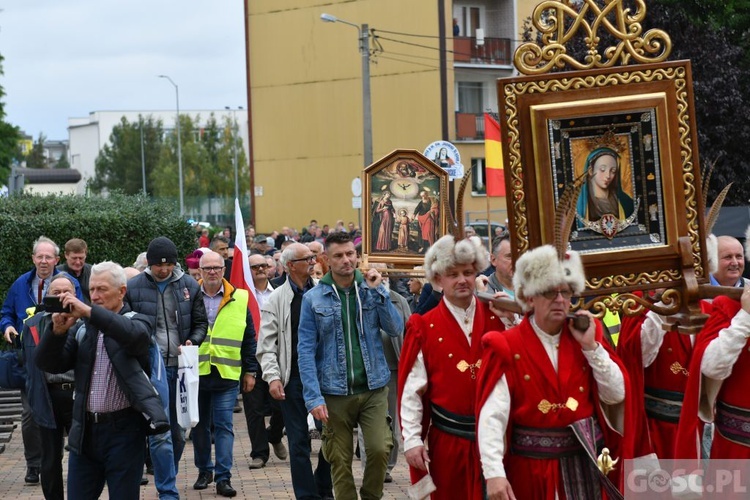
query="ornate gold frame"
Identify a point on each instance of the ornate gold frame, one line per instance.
(375, 177)
(527, 102)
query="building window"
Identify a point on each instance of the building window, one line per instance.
(470, 97)
(478, 177)
(469, 19)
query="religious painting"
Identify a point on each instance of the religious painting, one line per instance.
(627, 138)
(621, 204)
(402, 206)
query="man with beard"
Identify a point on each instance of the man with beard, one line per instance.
(343, 368)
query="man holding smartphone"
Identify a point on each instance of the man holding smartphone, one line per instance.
(26, 292)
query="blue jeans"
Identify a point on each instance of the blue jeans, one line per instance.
(112, 452)
(166, 449)
(215, 406)
(307, 485)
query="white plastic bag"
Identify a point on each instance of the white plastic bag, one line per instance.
(187, 387)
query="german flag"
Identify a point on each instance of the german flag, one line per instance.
(493, 157)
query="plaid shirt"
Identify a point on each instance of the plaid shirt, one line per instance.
(105, 394)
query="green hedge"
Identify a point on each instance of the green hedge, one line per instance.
(115, 228)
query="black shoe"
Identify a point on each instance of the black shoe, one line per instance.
(204, 479)
(388, 478)
(144, 480)
(32, 475)
(225, 489)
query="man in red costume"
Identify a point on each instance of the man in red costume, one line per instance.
(551, 396)
(717, 386)
(437, 372)
(658, 360)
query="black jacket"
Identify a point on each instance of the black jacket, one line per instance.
(142, 296)
(126, 339)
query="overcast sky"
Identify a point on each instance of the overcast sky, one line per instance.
(66, 58)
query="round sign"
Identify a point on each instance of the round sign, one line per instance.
(357, 186)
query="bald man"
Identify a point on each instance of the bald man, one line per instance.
(731, 263)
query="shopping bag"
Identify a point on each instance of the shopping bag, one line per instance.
(187, 387)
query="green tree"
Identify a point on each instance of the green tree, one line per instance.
(63, 162)
(119, 165)
(36, 157)
(9, 137)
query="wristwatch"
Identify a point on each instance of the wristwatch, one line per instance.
(252, 374)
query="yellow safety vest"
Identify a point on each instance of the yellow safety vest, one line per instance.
(611, 321)
(223, 343)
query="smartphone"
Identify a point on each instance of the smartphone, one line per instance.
(52, 303)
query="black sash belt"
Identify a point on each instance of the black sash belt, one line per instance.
(662, 404)
(546, 443)
(733, 423)
(463, 426)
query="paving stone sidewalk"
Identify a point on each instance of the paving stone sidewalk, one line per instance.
(271, 482)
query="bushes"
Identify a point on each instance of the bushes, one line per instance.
(116, 228)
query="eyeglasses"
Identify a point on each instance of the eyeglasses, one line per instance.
(213, 269)
(258, 267)
(310, 259)
(552, 294)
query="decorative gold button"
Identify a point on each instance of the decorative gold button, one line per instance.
(440, 339)
(492, 317)
(580, 389)
(450, 355)
(584, 367)
(517, 356)
(432, 326)
(669, 349)
(527, 377)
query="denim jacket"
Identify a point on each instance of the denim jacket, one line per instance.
(320, 347)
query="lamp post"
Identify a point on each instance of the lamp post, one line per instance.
(364, 50)
(179, 142)
(234, 150)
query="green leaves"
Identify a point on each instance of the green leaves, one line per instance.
(115, 228)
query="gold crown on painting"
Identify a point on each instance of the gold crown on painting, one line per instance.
(607, 140)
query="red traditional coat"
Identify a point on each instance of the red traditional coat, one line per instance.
(454, 461)
(669, 371)
(520, 356)
(733, 391)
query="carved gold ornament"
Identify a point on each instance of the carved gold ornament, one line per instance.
(560, 21)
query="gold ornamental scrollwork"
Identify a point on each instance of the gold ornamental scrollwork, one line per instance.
(559, 21)
(512, 92)
(665, 276)
(630, 304)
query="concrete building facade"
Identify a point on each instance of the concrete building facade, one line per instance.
(305, 95)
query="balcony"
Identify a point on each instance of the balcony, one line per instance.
(469, 127)
(494, 51)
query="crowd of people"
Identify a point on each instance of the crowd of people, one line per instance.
(484, 401)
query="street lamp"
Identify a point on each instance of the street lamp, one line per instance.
(364, 50)
(179, 142)
(235, 132)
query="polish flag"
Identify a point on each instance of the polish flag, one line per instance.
(241, 277)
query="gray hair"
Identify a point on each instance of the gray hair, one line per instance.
(289, 253)
(64, 276)
(141, 263)
(115, 270)
(44, 239)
